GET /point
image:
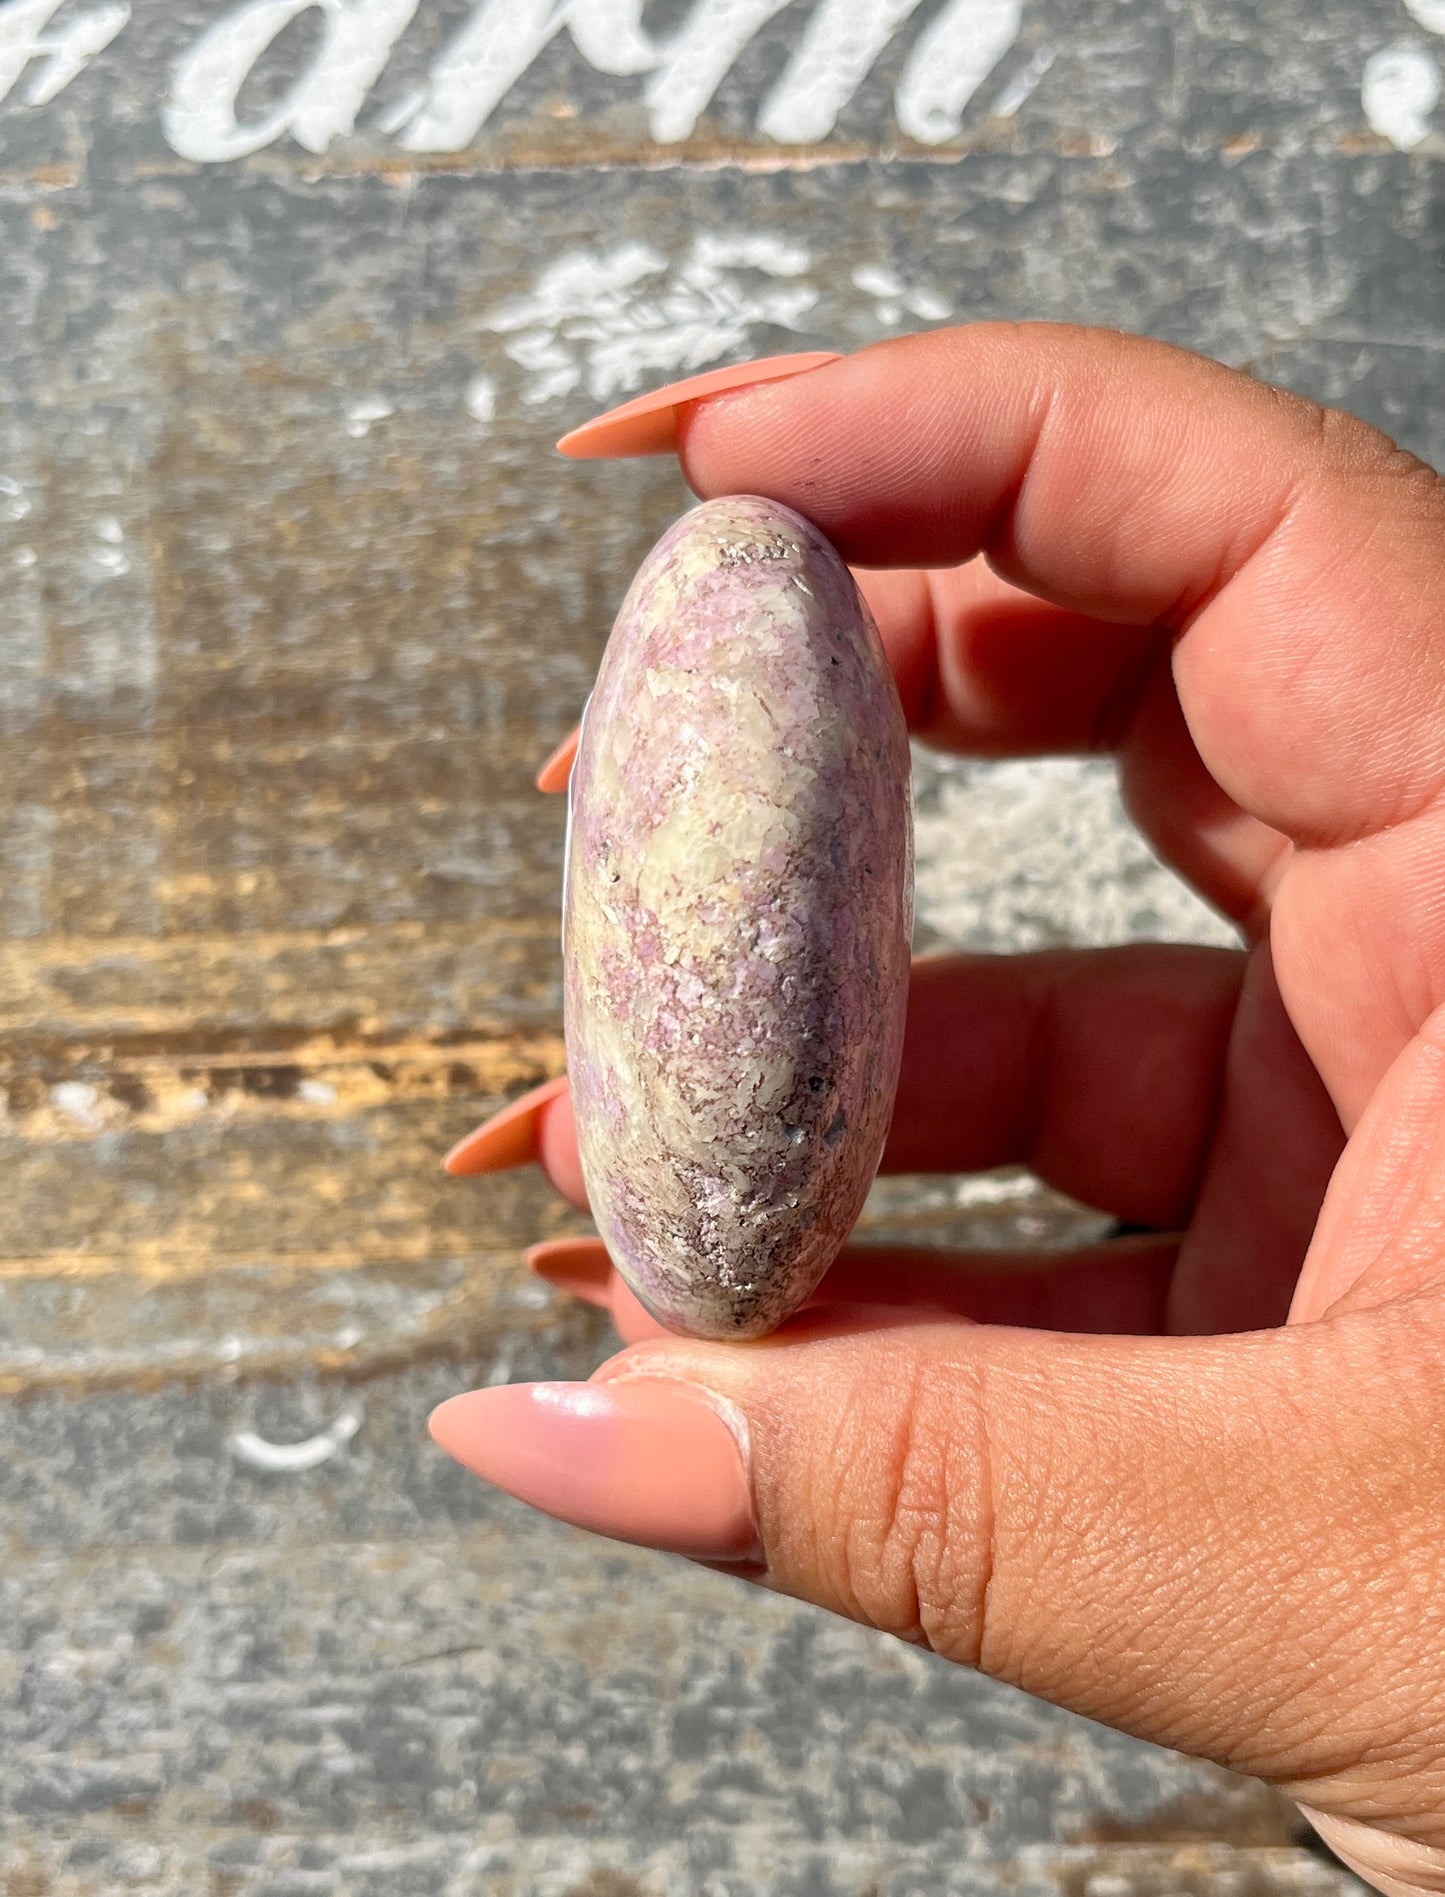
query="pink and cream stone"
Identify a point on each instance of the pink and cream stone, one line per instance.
(737, 913)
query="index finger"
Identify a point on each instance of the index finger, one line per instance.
(1297, 550)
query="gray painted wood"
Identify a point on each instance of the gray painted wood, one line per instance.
(295, 600)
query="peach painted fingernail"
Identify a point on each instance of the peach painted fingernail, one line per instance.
(579, 1266)
(510, 1138)
(582, 1269)
(644, 1460)
(558, 768)
(648, 425)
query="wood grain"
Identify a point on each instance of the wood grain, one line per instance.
(294, 600)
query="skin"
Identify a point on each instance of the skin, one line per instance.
(1191, 1486)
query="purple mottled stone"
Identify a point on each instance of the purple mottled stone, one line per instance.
(736, 919)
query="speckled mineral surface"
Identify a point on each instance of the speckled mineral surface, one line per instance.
(736, 919)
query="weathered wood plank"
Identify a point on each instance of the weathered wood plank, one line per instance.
(293, 600)
(454, 86)
(141, 996)
(380, 1678)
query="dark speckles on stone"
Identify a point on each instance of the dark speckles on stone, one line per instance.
(745, 757)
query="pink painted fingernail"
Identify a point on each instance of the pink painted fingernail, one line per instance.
(558, 768)
(510, 1138)
(644, 1460)
(648, 425)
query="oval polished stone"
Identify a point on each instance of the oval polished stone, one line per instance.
(737, 913)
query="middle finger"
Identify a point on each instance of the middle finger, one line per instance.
(987, 670)
(1098, 1068)
(1119, 1288)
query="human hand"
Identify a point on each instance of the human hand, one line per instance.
(1189, 1485)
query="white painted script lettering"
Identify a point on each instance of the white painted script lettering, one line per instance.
(1429, 13)
(698, 60)
(23, 39)
(1402, 85)
(200, 118)
(842, 40)
(1400, 90)
(839, 44)
(496, 47)
(503, 38)
(951, 56)
(949, 63)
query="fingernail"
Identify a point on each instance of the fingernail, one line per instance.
(510, 1138)
(558, 768)
(579, 1266)
(582, 1268)
(648, 425)
(646, 1460)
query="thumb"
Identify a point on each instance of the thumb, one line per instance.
(1220, 1544)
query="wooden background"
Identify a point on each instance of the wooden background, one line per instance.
(296, 598)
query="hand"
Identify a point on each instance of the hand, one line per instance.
(1225, 1531)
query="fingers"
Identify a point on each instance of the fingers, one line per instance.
(985, 669)
(1169, 1536)
(1379, 1235)
(1275, 1141)
(1225, 1546)
(988, 669)
(1297, 556)
(1138, 484)
(537, 1126)
(1212, 1118)
(1099, 1069)
(1014, 1060)
(1119, 1288)
(1390, 1864)
(557, 770)
(1232, 859)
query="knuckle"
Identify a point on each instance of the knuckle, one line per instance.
(1366, 451)
(1358, 449)
(911, 1523)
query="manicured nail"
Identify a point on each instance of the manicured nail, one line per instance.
(510, 1138)
(644, 1460)
(582, 1269)
(579, 1266)
(558, 768)
(648, 425)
